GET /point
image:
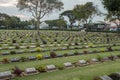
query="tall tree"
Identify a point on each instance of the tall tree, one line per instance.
(85, 13)
(70, 15)
(61, 24)
(39, 8)
(113, 8)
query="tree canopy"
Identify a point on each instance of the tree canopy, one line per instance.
(85, 13)
(39, 8)
(113, 8)
(70, 15)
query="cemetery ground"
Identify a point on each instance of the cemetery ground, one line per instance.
(17, 47)
(80, 73)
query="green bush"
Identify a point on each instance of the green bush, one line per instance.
(90, 45)
(68, 47)
(37, 45)
(17, 47)
(109, 48)
(38, 49)
(23, 59)
(10, 44)
(76, 53)
(65, 54)
(22, 41)
(94, 51)
(53, 54)
(41, 68)
(102, 50)
(60, 67)
(39, 56)
(115, 76)
(12, 52)
(85, 52)
(27, 47)
(5, 60)
(97, 78)
(99, 58)
(118, 55)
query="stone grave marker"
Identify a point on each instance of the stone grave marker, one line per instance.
(5, 75)
(51, 67)
(68, 65)
(14, 60)
(105, 77)
(94, 60)
(82, 61)
(31, 58)
(30, 71)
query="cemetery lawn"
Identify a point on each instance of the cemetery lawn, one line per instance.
(57, 52)
(56, 61)
(79, 73)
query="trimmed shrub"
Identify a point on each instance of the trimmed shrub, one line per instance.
(68, 47)
(10, 44)
(110, 48)
(111, 57)
(76, 53)
(39, 56)
(41, 68)
(115, 76)
(12, 52)
(97, 78)
(23, 59)
(22, 41)
(102, 50)
(76, 43)
(27, 47)
(94, 51)
(37, 45)
(118, 55)
(38, 49)
(99, 58)
(76, 47)
(17, 71)
(13, 41)
(66, 54)
(53, 54)
(5, 60)
(60, 67)
(90, 45)
(17, 47)
(85, 52)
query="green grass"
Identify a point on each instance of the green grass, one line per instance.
(58, 52)
(80, 73)
(56, 61)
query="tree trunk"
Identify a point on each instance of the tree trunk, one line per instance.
(71, 25)
(38, 29)
(79, 24)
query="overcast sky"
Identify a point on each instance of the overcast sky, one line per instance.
(9, 7)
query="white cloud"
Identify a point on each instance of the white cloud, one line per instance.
(8, 3)
(22, 16)
(9, 7)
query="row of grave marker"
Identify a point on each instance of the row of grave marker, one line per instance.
(30, 58)
(49, 68)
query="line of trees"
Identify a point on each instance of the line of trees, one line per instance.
(81, 13)
(12, 22)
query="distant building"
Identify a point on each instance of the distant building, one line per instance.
(3, 27)
(99, 26)
(114, 25)
(44, 25)
(30, 27)
(113, 28)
